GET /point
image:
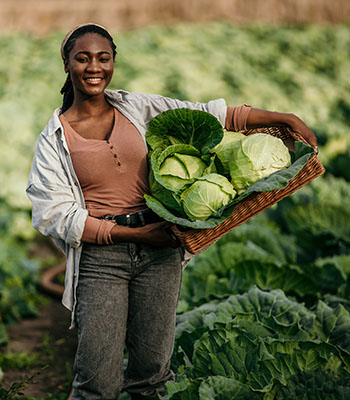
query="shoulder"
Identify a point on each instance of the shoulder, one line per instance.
(50, 137)
(54, 124)
(123, 96)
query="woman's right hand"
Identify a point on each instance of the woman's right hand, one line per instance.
(157, 234)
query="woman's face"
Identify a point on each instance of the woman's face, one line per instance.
(90, 65)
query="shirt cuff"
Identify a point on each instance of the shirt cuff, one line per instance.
(236, 118)
(97, 231)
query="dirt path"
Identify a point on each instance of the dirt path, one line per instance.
(48, 343)
(48, 337)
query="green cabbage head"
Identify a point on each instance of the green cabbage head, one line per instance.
(207, 196)
(178, 170)
(255, 157)
(223, 150)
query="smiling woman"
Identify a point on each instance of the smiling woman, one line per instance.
(87, 186)
(90, 66)
(88, 53)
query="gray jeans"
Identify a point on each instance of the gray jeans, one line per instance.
(127, 295)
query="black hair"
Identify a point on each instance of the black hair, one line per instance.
(67, 89)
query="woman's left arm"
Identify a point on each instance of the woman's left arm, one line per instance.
(260, 118)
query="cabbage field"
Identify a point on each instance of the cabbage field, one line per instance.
(264, 313)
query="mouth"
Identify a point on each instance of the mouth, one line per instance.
(93, 80)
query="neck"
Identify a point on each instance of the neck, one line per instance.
(89, 106)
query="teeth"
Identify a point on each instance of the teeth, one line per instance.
(93, 79)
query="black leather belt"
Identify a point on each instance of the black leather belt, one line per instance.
(134, 220)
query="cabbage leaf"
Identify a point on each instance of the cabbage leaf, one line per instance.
(184, 126)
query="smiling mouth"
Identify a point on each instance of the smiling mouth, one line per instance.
(93, 80)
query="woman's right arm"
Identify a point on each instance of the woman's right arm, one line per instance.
(57, 210)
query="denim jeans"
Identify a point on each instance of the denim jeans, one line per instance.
(127, 295)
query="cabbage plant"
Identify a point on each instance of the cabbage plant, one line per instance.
(223, 150)
(178, 169)
(207, 196)
(255, 157)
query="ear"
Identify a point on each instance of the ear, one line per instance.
(66, 69)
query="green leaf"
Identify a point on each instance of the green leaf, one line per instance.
(224, 149)
(317, 385)
(163, 212)
(165, 196)
(222, 388)
(177, 182)
(196, 128)
(334, 325)
(182, 389)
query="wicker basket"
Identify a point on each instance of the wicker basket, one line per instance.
(195, 240)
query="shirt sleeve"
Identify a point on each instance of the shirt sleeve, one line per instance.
(97, 231)
(56, 209)
(147, 106)
(236, 118)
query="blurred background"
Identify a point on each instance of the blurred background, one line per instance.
(289, 56)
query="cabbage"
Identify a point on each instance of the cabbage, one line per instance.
(178, 168)
(255, 157)
(207, 196)
(188, 146)
(163, 195)
(224, 149)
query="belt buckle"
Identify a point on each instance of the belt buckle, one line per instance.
(128, 219)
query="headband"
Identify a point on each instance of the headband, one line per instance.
(70, 33)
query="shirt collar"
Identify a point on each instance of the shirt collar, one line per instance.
(54, 123)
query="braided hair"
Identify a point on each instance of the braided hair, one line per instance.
(67, 89)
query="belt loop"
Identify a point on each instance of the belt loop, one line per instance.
(142, 218)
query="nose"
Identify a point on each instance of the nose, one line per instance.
(94, 65)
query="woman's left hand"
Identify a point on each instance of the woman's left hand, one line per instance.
(258, 118)
(298, 126)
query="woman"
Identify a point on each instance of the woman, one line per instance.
(86, 185)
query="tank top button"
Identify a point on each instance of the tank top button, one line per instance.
(115, 156)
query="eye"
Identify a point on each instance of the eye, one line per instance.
(82, 59)
(105, 59)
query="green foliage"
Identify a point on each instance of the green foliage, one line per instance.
(318, 217)
(262, 343)
(15, 391)
(18, 360)
(18, 274)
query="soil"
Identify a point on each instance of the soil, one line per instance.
(47, 336)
